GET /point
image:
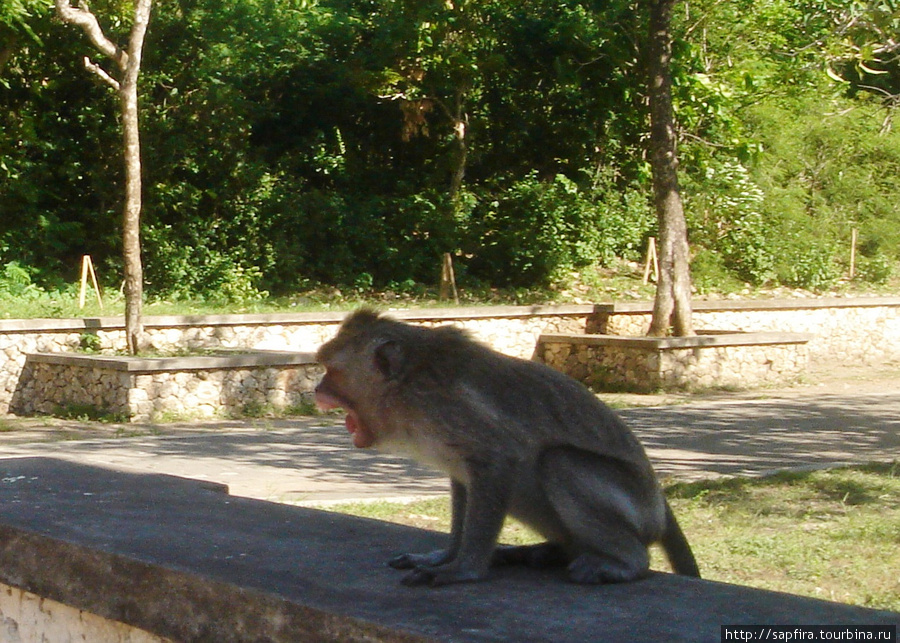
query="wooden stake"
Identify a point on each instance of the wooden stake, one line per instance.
(853, 237)
(652, 260)
(87, 268)
(448, 281)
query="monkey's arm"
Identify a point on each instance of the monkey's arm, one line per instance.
(440, 556)
(486, 501)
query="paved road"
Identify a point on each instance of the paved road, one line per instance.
(311, 459)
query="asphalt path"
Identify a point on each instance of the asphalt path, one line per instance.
(311, 460)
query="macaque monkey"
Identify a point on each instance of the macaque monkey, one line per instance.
(516, 438)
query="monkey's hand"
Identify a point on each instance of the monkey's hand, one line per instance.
(411, 561)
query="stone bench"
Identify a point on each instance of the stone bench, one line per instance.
(152, 558)
(145, 388)
(710, 359)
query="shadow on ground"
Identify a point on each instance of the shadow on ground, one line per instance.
(754, 437)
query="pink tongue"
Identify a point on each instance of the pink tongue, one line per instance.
(362, 437)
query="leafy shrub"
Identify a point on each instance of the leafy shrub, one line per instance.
(15, 281)
(725, 216)
(199, 269)
(709, 273)
(813, 268)
(876, 270)
(823, 175)
(533, 231)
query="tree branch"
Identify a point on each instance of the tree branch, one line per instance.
(97, 69)
(136, 43)
(88, 22)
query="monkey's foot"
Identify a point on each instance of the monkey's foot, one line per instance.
(594, 570)
(411, 561)
(537, 556)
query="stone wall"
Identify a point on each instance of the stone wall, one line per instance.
(644, 364)
(147, 389)
(511, 329)
(861, 330)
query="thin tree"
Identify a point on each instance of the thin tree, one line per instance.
(672, 305)
(124, 81)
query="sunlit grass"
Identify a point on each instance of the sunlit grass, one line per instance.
(623, 281)
(831, 534)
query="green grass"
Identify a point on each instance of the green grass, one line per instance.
(831, 534)
(88, 413)
(622, 281)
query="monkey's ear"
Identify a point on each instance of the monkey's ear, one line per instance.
(389, 358)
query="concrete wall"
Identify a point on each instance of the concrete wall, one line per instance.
(861, 330)
(184, 561)
(151, 389)
(29, 618)
(645, 364)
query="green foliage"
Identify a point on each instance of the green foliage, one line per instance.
(198, 270)
(710, 274)
(290, 143)
(15, 281)
(863, 50)
(89, 342)
(535, 230)
(808, 264)
(725, 215)
(877, 269)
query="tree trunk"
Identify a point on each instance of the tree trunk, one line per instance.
(131, 220)
(129, 64)
(672, 306)
(460, 157)
(454, 192)
(8, 49)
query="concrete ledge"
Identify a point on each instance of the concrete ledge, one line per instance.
(468, 312)
(705, 339)
(699, 305)
(224, 360)
(187, 562)
(268, 319)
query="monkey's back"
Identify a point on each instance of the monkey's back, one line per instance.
(492, 398)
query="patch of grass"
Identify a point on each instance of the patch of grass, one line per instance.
(260, 410)
(831, 534)
(88, 413)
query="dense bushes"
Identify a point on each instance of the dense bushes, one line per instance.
(533, 231)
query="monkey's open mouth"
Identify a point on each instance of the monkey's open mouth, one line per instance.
(362, 436)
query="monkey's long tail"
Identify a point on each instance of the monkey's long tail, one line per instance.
(677, 548)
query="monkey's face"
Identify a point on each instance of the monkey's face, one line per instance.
(355, 381)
